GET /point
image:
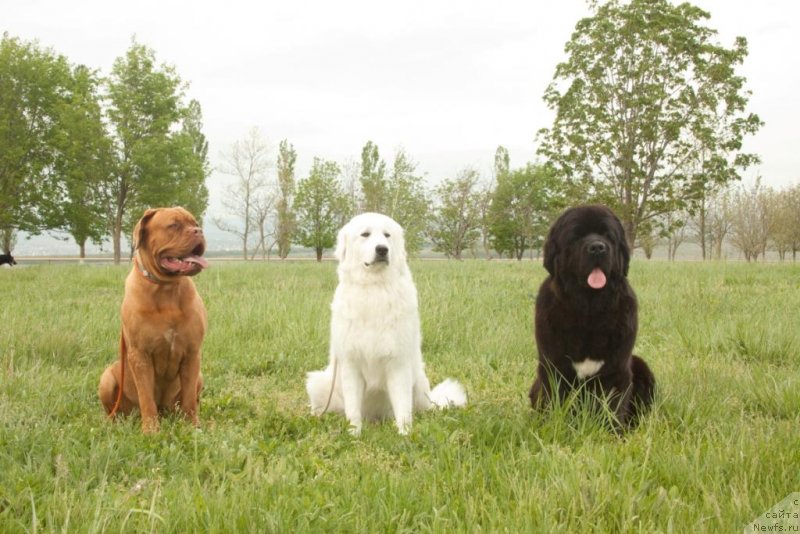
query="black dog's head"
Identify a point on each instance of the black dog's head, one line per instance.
(7, 258)
(586, 248)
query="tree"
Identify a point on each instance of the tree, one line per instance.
(793, 200)
(373, 179)
(82, 163)
(406, 200)
(749, 209)
(248, 162)
(525, 201)
(649, 109)
(286, 223)
(455, 221)
(502, 163)
(675, 230)
(321, 207)
(262, 209)
(156, 150)
(33, 85)
(718, 220)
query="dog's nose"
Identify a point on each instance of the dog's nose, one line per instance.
(381, 250)
(597, 248)
(197, 230)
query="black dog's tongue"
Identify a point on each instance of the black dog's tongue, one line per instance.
(597, 279)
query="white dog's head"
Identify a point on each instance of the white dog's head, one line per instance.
(371, 243)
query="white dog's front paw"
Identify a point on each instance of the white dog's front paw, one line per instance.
(354, 430)
(403, 428)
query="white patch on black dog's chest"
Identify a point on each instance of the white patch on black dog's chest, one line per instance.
(587, 367)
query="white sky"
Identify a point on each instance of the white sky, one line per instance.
(448, 81)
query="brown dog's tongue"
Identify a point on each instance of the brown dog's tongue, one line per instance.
(199, 260)
(185, 264)
(597, 279)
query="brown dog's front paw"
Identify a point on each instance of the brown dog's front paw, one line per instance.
(150, 425)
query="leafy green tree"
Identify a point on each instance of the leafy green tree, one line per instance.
(524, 203)
(321, 206)
(159, 156)
(373, 179)
(286, 223)
(454, 224)
(643, 96)
(82, 163)
(407, 201)
(33, 85)
(502, 162)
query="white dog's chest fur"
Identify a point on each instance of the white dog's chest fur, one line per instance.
(378, 322)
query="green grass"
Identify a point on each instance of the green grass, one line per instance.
(720, 447)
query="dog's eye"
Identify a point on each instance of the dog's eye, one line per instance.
(386, 234)
(365, 234)
(173, 226)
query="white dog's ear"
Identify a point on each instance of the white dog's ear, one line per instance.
(341, 244)
(400, 243)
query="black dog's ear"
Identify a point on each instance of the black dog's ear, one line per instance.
(551, 248)
(140, 230)
(624, 249)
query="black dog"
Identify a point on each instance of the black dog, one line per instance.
(586, 316)
(7, 258)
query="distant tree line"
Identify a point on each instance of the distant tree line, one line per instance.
(83, 154)
(650, 119)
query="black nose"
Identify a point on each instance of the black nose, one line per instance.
(381, 250)
(597, 248)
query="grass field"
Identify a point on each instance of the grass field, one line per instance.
(721, 446)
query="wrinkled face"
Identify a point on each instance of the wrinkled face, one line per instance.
(371, 242)
(170, 242)
(586, 247)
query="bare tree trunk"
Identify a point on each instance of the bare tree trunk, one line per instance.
(116, 237)
(319, 253)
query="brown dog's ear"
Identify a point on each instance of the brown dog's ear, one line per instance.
(140, 230)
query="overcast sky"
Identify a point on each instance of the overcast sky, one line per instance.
(448, 81)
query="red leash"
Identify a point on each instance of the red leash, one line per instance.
(122, 350)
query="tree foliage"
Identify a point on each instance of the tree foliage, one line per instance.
(373, 178)
(524, 203)
(649, 109)
(286, 221)
(158, 152)
(454, 224)
(82, 163)
(750, 220)
(407, 200)
(321, 207)
(33, 87)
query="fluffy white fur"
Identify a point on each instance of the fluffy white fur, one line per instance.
(375, 351)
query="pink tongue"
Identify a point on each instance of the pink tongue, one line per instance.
(178, 265)
(597, 279)
(199, 260)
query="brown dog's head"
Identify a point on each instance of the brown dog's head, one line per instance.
(586, 248)
(170, 243)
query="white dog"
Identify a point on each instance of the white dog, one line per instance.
(376, 368)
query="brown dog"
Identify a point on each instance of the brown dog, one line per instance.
(163, 322)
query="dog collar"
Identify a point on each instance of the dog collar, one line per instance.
(144, 272)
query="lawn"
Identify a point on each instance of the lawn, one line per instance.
(720, 447)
